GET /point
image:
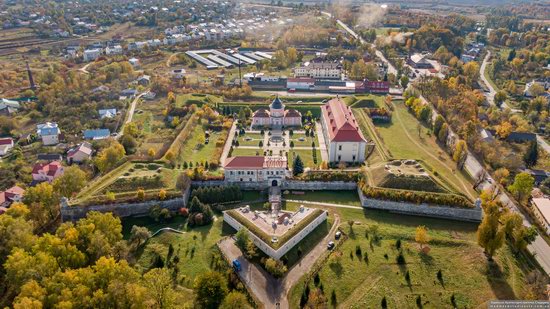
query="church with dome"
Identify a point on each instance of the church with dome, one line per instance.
(276, 116)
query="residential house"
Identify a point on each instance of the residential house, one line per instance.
(49, 132)
(107, 113)
(178, 73)
(541, 209)
(97, 134)
(134, 61)
(544, 82)
(344, 139)
(100, 89)
(114, 50)
(11, 195)
(419, 61)
(80, 153)
(538, 175)
(128, 94)
(91, 54)
(149, 95)
(9, 107)
(144, 80)
(47, 171)
(6, 144)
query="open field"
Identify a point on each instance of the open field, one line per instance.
(326, 196)
(301, 140)
(401, 139)
(193, 150)
(361, 278)
(156, 134)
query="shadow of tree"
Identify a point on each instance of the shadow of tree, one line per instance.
(337, 268)
(497, 280)
(426, 258)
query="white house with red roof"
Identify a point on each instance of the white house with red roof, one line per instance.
(344, 139)
(47, 171)
(11, 195)
(6, 144)
(276, 116)
(269, 170)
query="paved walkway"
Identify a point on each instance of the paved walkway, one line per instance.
(322, 143)
(130, 113)
(271, 292)
(228, 143)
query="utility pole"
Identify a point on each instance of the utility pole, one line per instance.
(240, 78)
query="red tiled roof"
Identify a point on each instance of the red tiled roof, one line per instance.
(342, 126)
(245, 162)
(6, 141)
(14, 191)
(261, 113)
(292, 113)
(48, 168)
(2, 198)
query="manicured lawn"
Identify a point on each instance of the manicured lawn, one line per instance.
(306, 156)
(368, 101)
(361, 278)
(301, 140)
(403, 146)
(250, 139)
(328, 196)
(237, 151)
(194, 151)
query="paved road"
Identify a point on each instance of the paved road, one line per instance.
(491, 94)
(543, 144)
(539, 248)
(302, 94)
(271, 292)
(130, 113)
(84, 69)
(322, 143)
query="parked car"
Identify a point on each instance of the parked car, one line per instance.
(337, 235)
(236, 265)
(330, 245)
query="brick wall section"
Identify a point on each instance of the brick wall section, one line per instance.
(460, 214)
(73, 213)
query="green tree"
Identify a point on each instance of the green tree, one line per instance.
(159, 286)
(210, 289)
(139, 235)
(297, 166)
(500, 97)
(443, 133)
(235, 300)
(522, 186)
(71, 182)
(109, 157)
(242, 238)
(490, 236)
(404, 81)
(532, 155)
(460, 153)
(43, 203)
(438, 124)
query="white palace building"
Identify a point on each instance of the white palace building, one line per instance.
(276, 116)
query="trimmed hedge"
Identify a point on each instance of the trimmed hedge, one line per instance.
(235, 214)
(329, 176)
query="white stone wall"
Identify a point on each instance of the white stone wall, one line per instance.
(347, 151)
(279, 253)
(50, 140)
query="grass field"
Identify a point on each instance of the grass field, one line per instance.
(361, 278)
(306, 156)
(193, 150)
(237, 151)
(402, 140)
(250, 139)
(327, 196)
(368, 101)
